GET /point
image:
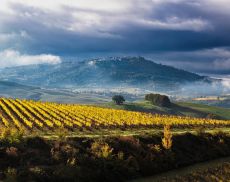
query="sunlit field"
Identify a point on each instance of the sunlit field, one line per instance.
(29, 116)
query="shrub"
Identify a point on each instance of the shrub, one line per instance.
(200, 130)
(11, 174)
(167, 140)
(159, 100)
(118, 99)
(64, 152)
(155, 148)
(101, 150)
(61, 133)
(120, 155)
(212, 116)
(71, 161)
(12, 151)
(11, 135)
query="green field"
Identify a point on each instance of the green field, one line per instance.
(179, 108)
(219, 111)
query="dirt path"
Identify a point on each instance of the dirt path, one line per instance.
(199, 167)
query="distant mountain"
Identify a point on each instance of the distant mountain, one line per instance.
(107, 72)
(15, 90)
(11, 89)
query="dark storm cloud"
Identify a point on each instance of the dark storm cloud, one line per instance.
(140, 26)
(166, 26)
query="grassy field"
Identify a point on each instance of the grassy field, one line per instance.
(180, 108)
(219, 111)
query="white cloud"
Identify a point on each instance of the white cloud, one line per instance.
(219, 6)
(6, 37)
(11, 58)
(57, 5)
(176, 23)
(208, 5)
(226, 83)
(221, 52)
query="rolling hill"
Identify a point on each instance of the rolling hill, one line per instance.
(107, 72)
(177, 108)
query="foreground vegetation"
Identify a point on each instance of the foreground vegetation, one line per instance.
(215, 170)
(218, 173)
(104, 159)
(44, 141)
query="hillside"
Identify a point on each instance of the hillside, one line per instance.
(214, 100)
(15, 90)
(219, 111)
(105, 73)
(44, 116)
(46, 141)
(180, 108)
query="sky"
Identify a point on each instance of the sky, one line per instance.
(189, 34)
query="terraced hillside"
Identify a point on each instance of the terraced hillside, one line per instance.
(31, 115)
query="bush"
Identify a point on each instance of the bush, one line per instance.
(101, 150)
(167, 140)
(159, 100)
(118, 99)
(11, 135)
(212, 116)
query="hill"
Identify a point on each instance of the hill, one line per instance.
(220, 101)
(180, 108)
(15, 90)
(107, 72)
(219, 111)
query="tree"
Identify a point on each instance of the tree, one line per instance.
(167, 140)
(118, 99)
(159, 100)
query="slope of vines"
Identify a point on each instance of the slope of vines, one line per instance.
(29, 115)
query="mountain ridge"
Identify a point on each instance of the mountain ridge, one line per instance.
(102, 72)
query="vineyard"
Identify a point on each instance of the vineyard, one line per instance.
(50, 141)
(31, 115)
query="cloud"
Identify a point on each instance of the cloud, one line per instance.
(92, 17)
(223, 64)
(220, 52)
(175, 23)
(205, 61)
(226, 84)
(11, 58)
(73, 27)
(6, 37)
(13, 39)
